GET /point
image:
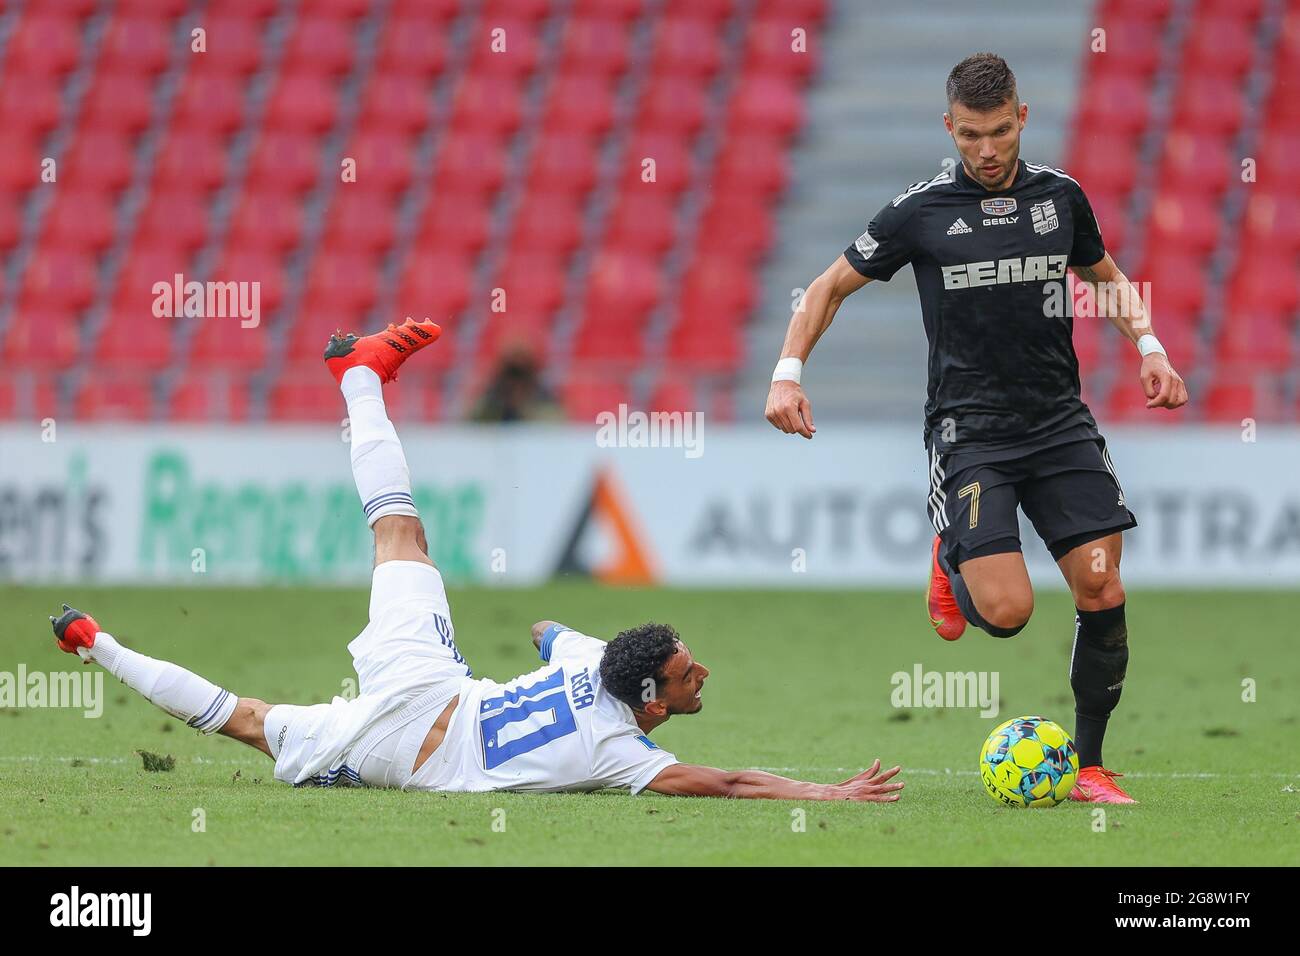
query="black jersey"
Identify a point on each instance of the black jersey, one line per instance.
(991, 271)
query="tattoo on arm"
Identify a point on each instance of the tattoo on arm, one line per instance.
(1085, 273)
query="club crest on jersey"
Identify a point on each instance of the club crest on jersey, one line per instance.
(1001, 206)
(1044, 216)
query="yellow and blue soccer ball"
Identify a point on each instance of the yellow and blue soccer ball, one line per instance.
(1029, 762)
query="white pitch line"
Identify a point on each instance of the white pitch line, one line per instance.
(913, 771)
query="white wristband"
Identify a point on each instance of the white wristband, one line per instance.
(788, 370)
(1148, 343)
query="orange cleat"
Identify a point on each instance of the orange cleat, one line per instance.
(1097, 785)
(74, 631)
(945, 615)
(384, 352)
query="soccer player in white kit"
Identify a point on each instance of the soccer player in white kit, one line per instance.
(421, 721)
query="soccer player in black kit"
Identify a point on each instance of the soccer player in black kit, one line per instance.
(990, 242)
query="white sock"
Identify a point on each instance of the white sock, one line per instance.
(198, 702)
(378, 463)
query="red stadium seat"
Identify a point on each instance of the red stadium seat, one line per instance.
(137, 44)
(320, 44)
(29, 105)
(769, 104)
(40, 337)
(306, 102)
(564, 163)
(239, 263)
(1273, 219)
(504, 46)
(673, 393)
(610, 340)
(1193, 162)
(81, 219)
(622, 9)
(736, 223)
(1209, 104)
(723, 282)
(362, 219)
(1279, 162)
(177, 217)
(99, 159)
(1132, 47)
(671, 169)
(580, 103)
(209, 100)
(782, 44)
(673, 104)
(408, 46)
(700, 343)
(709, 9)
(513, 330)
(1187, 221)
(436, 285)
(122, 397)
(753, 163)
(1251, 339)
(1222, 45)
(597, 46)
(1230, 402)
(688, 45)
(1106, 163)
(397, 101)
(548, 222)
(207, 397)
(347, 279)
(191, 159)
(587, 394)
(624, 282)
(453, 222)
(488, 103)
(1135, 10)
(1109, 210)
(44, 42)
(1265, 280)
(1116, 105)
(267, 219)
(118, 101)
(289, 161)
(385, 160)
(306, 399)
(473, 163)
(60, 278)
(647, 220)
(234, 44)
(137, 340)
(20, 164)
(1177, 282)
(429, 13)
(533, 283)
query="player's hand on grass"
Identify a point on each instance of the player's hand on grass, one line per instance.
(1164, 388)
(870, 786)
(788, 409)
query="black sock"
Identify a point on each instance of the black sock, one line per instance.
(966, 603)
(1097, 668)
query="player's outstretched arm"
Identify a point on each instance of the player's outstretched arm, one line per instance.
(686, 780)
(788, 407)
(1119, 301)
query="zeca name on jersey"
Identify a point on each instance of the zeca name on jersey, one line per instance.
(967, 275)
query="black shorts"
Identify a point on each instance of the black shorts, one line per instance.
(1069, 492)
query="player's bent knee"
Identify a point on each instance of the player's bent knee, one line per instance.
(1096, 592)
(400, 538)
(1007, 614)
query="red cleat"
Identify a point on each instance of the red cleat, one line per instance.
(945, 615)
(384, 352)
(1097, 785)
(74, 631)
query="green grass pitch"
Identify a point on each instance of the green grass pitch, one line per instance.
(800, 685)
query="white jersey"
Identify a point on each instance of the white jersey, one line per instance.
(553, 729)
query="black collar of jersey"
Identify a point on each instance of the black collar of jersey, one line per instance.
(965, 182)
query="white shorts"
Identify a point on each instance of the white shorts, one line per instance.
(407, 667)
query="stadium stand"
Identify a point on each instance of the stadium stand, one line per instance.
(502, 151)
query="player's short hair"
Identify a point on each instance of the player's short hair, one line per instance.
(633, 662)
(981, 82)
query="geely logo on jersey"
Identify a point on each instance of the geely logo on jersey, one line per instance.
(968, 275)
(998, 207)
(1002, 221)
(1044, 216)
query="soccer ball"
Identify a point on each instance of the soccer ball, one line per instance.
(1029, 762)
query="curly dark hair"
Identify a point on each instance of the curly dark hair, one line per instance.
(981, 82)
(635, 656)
